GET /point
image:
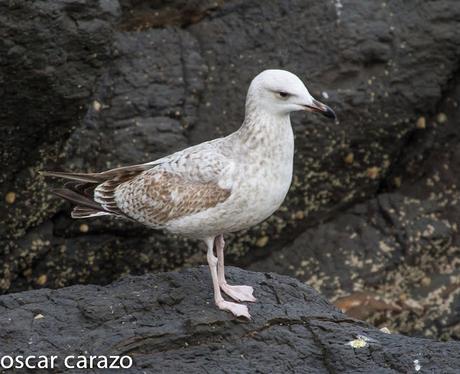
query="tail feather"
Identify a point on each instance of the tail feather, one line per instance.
(81, 212)
(93, 193)
(81, 177)
(76, 198)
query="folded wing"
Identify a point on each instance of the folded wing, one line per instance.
(184, 183)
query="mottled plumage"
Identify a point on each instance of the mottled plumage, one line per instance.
(224, 185)
(157, 197)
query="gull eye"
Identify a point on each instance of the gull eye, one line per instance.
(283, 95)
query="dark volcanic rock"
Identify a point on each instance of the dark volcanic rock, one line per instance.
(167, 323)
(51, 53)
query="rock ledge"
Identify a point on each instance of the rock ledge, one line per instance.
(167, 323)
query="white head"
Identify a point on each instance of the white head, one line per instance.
(280, 92)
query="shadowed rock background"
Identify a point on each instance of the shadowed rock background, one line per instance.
(372, 217)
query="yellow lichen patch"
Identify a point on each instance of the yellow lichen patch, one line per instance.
(299, 215)
(91, 259)
(373, 172)
(421, 123)
(414, 305)
(441, 118)
(262, 241)
(425, 282)
(358, 343)
(349, 158)
(27, 273)
(42, 279)
(10, 197)
(403, 297)
(385, 247)
(97, 105)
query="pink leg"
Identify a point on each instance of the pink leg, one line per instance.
(237, 293)
(237, 309)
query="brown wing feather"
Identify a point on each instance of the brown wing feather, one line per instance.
(157, 196)
(170, 188)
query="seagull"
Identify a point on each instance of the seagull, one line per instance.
(213, 188)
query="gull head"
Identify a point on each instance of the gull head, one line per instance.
(280, 92)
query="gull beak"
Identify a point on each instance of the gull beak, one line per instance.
(319, 107)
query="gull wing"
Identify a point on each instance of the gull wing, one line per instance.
(183, 183)
(188, 183)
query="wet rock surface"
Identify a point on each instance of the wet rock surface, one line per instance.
(167, 323)
(373, 210)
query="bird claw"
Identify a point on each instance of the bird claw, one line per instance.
(239, 293)
(238, 310)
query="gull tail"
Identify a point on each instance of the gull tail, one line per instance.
(81, 177)
(80, 191)
(94, 193)
(85, 207)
